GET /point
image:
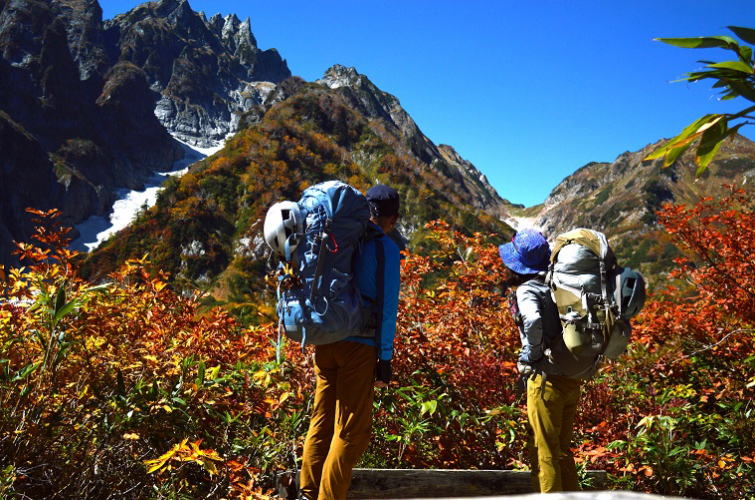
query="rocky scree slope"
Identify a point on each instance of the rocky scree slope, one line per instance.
(206, 228)
(621, 198)
(80, 97)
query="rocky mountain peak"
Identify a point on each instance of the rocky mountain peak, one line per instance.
(80, 20)
(364, 96)
(165, 8)
(183, 13)
(215, 23)
(238, 38)
(342, 76)
(200, 69)
(373, 102)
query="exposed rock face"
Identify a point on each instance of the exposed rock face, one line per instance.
(621, 198)
(372, 102)
(85, 105)
(73, 126)
(203, 70)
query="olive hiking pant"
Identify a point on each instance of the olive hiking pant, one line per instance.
(551, 411)
(339, 430)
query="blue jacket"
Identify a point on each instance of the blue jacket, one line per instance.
(377, 270)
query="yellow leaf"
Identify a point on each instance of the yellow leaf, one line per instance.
(168, 408)
(154, 467)
(131, 436)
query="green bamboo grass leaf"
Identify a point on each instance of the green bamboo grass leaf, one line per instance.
(99, 288)
(26, 371)
(710, 143)
(675, 153)
(733, 65)
(60, 298)
(745, 54)
(746, 34)
(66, 309)
(742, 88)
(701, 42)
(200, 374)
(689, 134)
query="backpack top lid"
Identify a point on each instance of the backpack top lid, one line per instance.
(343, 205)
(595, 241)
(575, 267)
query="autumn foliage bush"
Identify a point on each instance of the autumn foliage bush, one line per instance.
(129, 389)
(126, 390)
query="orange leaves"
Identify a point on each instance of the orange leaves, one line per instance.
(183, 452)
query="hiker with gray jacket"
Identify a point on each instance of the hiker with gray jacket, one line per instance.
(551, 398)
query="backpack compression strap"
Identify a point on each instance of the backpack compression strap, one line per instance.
(320, 267)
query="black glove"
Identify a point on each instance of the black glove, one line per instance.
(383, 370)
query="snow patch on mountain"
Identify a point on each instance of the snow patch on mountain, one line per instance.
(519, 223)
(96, 229)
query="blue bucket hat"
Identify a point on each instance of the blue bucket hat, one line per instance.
(527, 253)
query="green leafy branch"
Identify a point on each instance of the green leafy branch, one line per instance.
(735, 78)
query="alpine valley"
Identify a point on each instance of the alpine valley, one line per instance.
(89, 106)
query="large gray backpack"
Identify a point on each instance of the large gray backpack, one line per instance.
(593, 299)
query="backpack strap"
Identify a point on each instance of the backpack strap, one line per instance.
(380, 289)
(514, 310)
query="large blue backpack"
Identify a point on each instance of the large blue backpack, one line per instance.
(318, 302)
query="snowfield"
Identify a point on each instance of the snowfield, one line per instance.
(97, 229)
(519, 223)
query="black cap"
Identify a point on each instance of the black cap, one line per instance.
(384, 201)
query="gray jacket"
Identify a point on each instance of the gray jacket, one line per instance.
(540, 326)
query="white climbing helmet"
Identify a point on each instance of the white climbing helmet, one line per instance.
(283, 226)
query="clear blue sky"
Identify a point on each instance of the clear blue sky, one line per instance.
(528, 91)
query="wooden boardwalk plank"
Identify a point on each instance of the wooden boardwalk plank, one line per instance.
(437, 483)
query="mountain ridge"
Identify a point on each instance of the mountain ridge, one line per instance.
(621, 198)
(304, 132)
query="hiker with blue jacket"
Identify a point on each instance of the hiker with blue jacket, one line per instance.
(551, 397)
(347, 371)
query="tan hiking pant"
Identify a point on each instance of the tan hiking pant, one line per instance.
(339, 430)
(551, 415)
